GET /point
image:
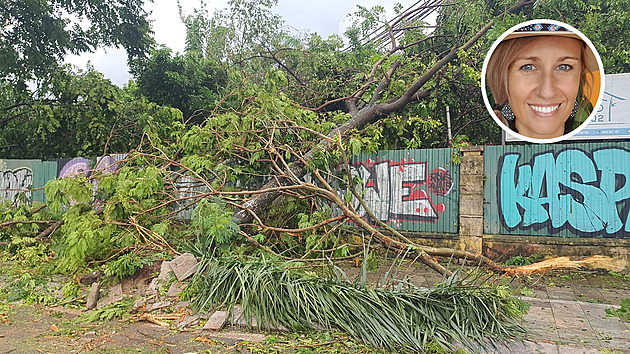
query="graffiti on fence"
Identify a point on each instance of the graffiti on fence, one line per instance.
(440, 181)
(75, 167)
(14, 182)
(79, 165)
(587, 192)
(395, 190)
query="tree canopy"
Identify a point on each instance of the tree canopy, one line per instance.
(379, 61)
(187, 82)
(36, 35)
(81, 114)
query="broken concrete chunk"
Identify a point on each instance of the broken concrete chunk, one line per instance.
(165, 269)
(216, 321)
(182, 304)
(184, 266)
(153, 287)
(91, 278)
(158, 306)
(188, 321)
(140, 304)
(174, 290)
(237, 313)
(92, 298)
(238, 319)
(115, 295)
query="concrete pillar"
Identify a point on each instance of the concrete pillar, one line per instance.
(471, 199)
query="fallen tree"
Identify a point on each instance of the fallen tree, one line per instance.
(370, 109)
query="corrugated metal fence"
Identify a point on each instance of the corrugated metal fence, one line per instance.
(25, 178)
(572, 190)
(412, 190)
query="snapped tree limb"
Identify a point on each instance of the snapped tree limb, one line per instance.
(367, 114)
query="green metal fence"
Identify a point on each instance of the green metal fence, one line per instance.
(411, 190)
(25, 179)
(570, 190)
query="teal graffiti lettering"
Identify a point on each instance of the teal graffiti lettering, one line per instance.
(570, 189)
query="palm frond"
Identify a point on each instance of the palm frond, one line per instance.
(455, 311)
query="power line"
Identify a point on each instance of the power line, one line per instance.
(419, 11)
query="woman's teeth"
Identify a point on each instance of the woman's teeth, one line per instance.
(544, 109)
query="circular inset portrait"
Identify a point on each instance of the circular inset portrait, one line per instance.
(541, 80)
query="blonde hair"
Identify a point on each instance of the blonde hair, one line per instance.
(503, 56)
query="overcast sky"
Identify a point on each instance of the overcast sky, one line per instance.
(325, 17)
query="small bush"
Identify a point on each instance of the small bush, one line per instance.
(521, 260)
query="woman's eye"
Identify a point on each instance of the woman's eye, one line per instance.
(564, 67)
(527, 67)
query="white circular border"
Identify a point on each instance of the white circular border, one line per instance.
(485, 94)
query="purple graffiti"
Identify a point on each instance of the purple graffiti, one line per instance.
(109, 163)
(75, 167)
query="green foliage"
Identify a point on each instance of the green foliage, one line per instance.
(113, 311)
(525, 291)
(243, 28)
(29, 288)
(309, 343)
(399, 131)
(406, 319)
(30, 255)
(88, 234)
(71, 290)
(64, 193)
(37, 35)
(85, 237)
(523, 260)
(314, 240)
(190, 82)
(214, 229)
(364, 23)
(603, 22)
(125, 265)
(236, 148)
(622, 312)
(131, 191)
(19, 233)
(77, 113)
(619, 275)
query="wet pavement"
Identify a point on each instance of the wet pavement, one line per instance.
(571, 318)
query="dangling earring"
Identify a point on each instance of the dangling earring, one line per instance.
(507, 112)
(575, 109)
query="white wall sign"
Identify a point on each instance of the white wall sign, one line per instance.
(612, 117)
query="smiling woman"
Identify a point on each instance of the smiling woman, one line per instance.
(544, 80)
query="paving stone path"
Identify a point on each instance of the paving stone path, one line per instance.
(572, 319)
